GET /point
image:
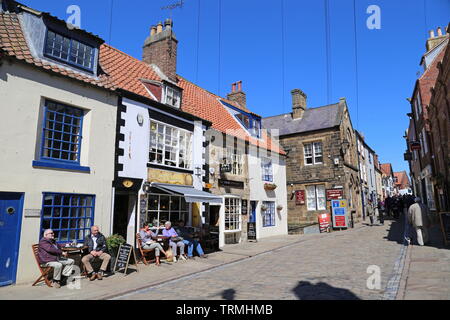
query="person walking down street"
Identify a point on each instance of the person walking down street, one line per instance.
(96, 244)
(418, 219)
(149, 243)
(174, 241)
(51, 255)
(396, 207)
(370, 211)
(381, 211)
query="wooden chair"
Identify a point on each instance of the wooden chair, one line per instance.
(45, 271)
(143, 251)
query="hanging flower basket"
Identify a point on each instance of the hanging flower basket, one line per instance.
(264, 207)
(270, 186)
(279, 207)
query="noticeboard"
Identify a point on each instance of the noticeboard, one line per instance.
(339, 213)
(444, 218)
(123, 258)
(251, 231)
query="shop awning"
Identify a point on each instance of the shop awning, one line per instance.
(190, 194)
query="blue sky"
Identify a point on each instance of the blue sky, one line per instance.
(251, 49)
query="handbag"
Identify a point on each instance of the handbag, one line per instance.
(177, 239)
(169, 255)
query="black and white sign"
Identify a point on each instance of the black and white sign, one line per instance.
(123, 258)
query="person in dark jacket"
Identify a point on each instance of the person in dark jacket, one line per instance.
(96, 244)
(51, 255)
(380, 207)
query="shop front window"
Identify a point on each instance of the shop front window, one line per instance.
(232, 214)
(162, 208)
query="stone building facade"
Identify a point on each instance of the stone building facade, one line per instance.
(321, 147)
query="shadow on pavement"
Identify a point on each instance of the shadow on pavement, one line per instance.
(228, 294)
(306, 290)
(396, 230)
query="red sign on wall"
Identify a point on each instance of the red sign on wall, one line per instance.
(324, 222)
(299, 197)
(335, 194)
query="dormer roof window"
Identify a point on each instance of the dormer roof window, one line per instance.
(172, 97)
(250, 122)
(69, 50)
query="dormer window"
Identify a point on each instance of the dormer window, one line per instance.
(172, 97)
(69, 50)
(250, 122)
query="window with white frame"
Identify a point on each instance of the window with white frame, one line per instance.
(315, 197)
(235, 158)
(418, 105)
(313, 153)
(163, 207)
(267, 169)
(232, 214)
(268, 214)
(173, 97)
(170, 146)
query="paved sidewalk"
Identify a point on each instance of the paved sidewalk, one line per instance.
(151, 275)
(427, 270)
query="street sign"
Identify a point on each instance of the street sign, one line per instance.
(339, 212)
(324, 222)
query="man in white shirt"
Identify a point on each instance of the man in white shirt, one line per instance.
(96, 244)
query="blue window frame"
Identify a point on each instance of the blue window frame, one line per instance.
(267, 169)
(251, 122)
(269, 214)
(70, 216)
(69, 50)
(61, 133)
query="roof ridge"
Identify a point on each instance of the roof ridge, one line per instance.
(311, 108)
(196, 85)
(127, 55)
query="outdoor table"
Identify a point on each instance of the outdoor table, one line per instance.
(76, 254)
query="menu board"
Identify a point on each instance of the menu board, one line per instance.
(251, 230)
(123, 258)
(444, 218)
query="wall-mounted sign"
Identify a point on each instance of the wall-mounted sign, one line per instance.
(127, 183)
(334, 194)
(415, 145)
(224, 168)
(299, 197)
(244, 207)
(32, 213)
(339, 211)
(324, 222)
(231, 184)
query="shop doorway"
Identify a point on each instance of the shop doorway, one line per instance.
(123, 211)
(214, 213)
(11, 205)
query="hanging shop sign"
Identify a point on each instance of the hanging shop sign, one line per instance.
(244, 204)
(339, 212)
(299, 197)
(224, 168)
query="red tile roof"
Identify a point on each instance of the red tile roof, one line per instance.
(386, 168)
(126, 72)
(402, 180)
(14, 44)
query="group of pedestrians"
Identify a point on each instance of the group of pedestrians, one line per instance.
(415, 211)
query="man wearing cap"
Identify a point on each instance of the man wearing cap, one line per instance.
(418, 218)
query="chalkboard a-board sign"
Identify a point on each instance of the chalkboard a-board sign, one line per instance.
(123, 258)
(444, 217)
(251, 231)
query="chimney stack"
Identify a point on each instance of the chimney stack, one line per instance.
(298, 103)
(433, 41)
(238, 95)
(160, 49)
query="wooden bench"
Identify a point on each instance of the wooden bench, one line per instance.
(45, 271)
(144, 252)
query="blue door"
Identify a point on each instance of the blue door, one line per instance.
(10, 225)
(253, 211)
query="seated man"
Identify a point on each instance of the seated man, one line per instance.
(96, 244)
(189, 241)
(148, 242)
(170, 233)
(49, 255)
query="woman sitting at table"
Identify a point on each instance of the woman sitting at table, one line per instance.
(148, 242)
(174, 241)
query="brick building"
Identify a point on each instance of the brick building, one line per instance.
(439, 117)
(321, 148)
(421, 151)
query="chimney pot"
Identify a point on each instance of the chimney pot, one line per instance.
(153, 31)
(233, 87)
(439, 32)
(159, 28)
(168, 24)
(298, 103)
(238, 95)
(431, 34)
(239, 85)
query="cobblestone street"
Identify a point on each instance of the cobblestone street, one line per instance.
(328, 267)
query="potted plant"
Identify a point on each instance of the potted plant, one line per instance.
(263, 207)
(113, 243)
(279, 207)
(270, 186)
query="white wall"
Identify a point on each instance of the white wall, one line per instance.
(22, 92)
(258, 193)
